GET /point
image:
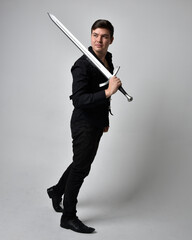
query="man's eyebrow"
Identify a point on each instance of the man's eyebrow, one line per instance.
(103, 35)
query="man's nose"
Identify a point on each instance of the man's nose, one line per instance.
(99, 38)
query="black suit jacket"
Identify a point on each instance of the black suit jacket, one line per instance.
(90, 103)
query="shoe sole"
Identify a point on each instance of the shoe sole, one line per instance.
(73, 229)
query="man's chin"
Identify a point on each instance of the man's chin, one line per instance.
(98, 50)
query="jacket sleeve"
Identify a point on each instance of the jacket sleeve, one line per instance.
(83, 96)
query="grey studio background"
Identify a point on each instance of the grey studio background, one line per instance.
(140, 183)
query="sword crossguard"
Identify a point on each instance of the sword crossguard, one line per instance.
(114, 74)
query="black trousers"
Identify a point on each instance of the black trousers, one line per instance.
(85, 144)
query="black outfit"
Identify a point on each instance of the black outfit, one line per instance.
(90, 116)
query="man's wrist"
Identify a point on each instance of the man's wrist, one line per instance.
(107, 93)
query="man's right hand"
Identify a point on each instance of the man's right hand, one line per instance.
(114, 84)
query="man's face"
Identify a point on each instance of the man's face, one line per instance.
(100, 40)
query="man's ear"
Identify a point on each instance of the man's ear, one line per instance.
(112, 40)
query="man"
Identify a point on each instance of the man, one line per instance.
(89, 120)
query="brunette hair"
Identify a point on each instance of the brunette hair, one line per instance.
(101, 23)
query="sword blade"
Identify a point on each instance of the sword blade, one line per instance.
(80, 46)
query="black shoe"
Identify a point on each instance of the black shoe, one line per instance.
(76, 225)
(56, 201)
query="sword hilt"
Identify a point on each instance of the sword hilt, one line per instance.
(129, 98)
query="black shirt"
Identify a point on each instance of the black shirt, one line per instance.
(90, 103)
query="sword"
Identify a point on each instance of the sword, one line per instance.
(91, 57)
